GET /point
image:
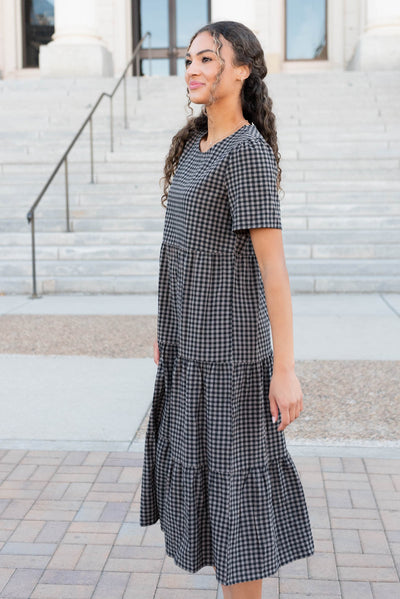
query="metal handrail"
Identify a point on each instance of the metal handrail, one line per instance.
(64, 158)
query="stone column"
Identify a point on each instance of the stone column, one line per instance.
(11, 41)
(379, 45)
(76, 49)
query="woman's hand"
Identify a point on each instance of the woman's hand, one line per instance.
(156, 351)
(285, 392)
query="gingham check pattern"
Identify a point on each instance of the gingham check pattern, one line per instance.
(216, 471)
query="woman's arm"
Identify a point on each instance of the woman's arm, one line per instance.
(285, 389)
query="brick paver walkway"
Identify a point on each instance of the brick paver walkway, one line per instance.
(69, 530)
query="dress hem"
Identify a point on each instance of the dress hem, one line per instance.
(265, 573)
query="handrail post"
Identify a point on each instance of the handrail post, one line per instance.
(34, 294)
(125, 105)
(91, 151)
(66, 193)
(150, 63)
(138, 76)
(111, 126)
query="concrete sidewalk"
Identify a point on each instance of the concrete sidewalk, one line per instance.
(71, 450)
(68, 365)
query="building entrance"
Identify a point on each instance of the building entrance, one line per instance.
(37, 28)
(172, 23)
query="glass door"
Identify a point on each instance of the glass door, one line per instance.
(172, 24)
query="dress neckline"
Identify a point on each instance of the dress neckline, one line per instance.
(203, 131)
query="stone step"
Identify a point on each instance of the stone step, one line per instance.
(146, 284)
(365, 150)
(296, 133)
(139, 211)
(156, 224)
(340, 198)
(335, 199)
(81, 224)
(21, 183)
(110, 267)
(328, 144)
(153, 187)
(153, 167)
(292, 135)
(95, 285)
(75, 200)
(153, 209)
(299, 92)
(305, 237)
(139, 127)
(295, 118)
(32, 191)
(337, 185)
(144, 252)
(79, 155)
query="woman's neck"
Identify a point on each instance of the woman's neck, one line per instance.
(222, 125)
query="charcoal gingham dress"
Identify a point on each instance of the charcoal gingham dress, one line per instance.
(216, 470)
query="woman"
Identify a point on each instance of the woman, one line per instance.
(216, 469)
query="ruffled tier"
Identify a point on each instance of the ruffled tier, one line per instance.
(245, 523)
(217, 473)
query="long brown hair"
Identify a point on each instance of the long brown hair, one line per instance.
(256, 103)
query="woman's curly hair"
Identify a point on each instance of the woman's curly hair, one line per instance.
(256, 103)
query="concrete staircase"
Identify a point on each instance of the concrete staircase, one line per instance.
(339, 138)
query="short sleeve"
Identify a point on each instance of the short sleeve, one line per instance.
(251, 183)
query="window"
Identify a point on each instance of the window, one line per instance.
(305, 30)
(172, 24)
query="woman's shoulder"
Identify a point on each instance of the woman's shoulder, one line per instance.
(251, 148)
(253, 140)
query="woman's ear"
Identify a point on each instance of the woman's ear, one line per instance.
(244, 72)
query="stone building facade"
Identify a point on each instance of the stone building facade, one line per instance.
(56, 38)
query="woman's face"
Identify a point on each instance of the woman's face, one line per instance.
(202, 66)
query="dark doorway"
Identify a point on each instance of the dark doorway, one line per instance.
(38, 27)
(171, 23)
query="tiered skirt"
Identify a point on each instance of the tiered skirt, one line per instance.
(217, 472)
